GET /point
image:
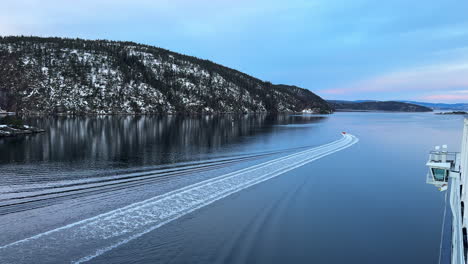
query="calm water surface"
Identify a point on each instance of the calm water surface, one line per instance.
(366, 204)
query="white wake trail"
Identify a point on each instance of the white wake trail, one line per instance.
(87, 239)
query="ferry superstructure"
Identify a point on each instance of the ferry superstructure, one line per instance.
(448, 171)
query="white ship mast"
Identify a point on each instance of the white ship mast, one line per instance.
(448, 171)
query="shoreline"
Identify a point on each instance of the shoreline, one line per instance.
(12, 131)
(162, 114)
(379, 111)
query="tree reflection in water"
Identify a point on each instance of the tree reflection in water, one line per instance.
(128, 141)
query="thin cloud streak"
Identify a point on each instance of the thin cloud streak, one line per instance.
(428, 78)
(445, 98)
(344, 49)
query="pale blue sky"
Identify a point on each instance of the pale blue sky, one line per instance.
(349, 49)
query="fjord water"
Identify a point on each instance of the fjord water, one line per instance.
(365, 204)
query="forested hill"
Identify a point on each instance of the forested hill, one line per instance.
(390, 106)
(56, 75)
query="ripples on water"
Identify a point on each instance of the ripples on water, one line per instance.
(348, 202)
(94, 143)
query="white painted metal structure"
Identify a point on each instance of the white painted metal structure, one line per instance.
(450, 170)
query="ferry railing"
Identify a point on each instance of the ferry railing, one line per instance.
(436, 156)
(458, 251)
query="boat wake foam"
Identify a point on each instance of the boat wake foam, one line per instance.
(89, 238)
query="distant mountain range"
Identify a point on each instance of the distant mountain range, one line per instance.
(368, 105)
(434, 106)
(441, 106)
(75, 76)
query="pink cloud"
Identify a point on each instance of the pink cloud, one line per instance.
(428, 78)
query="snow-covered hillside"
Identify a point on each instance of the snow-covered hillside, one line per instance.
(54, 75)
